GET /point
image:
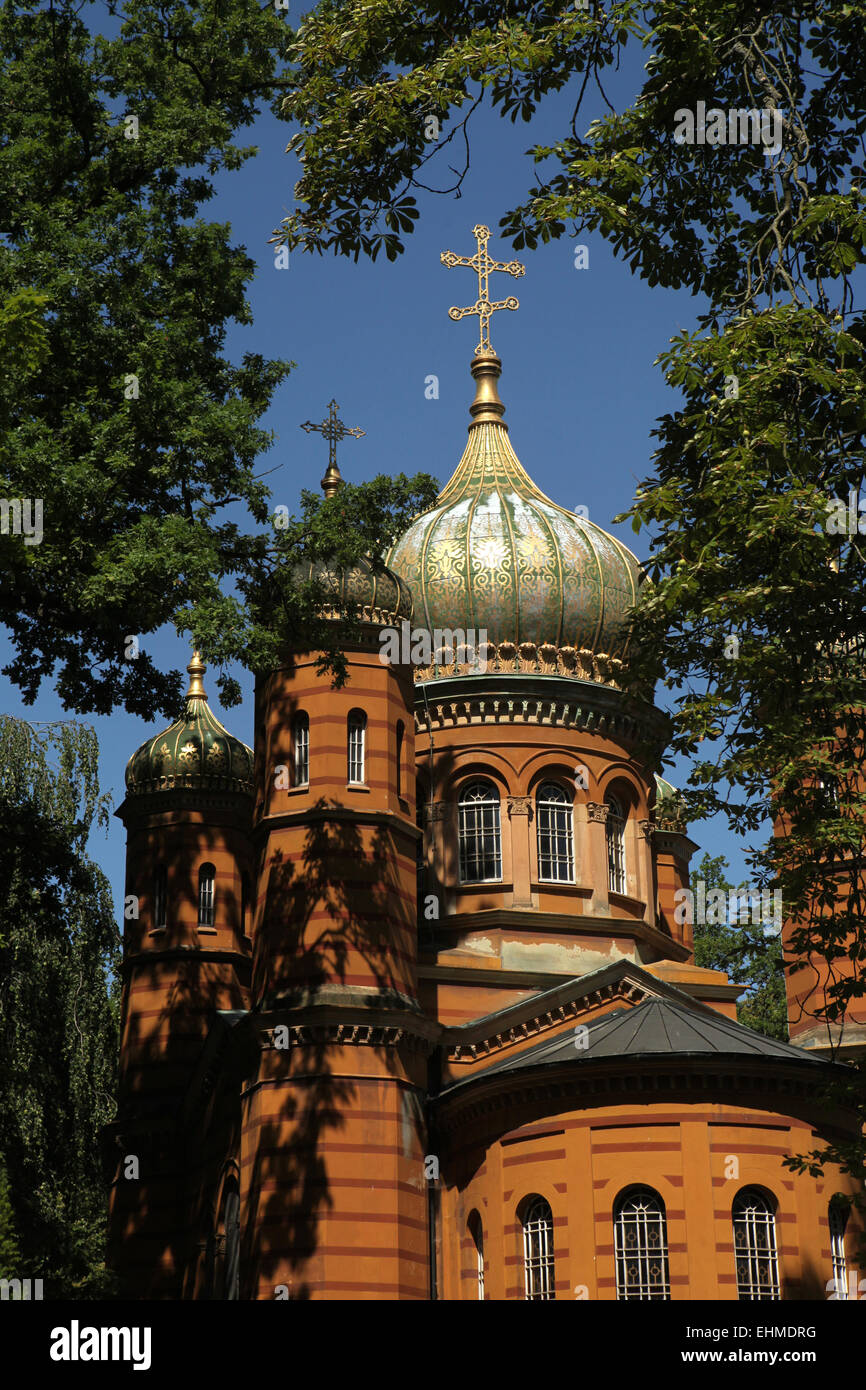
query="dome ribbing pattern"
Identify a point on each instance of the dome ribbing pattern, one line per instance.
(552, 589)
(196, 751)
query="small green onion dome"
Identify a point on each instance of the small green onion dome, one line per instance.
(196, 751)
(384, 599)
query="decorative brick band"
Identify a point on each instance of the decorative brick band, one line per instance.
(492, 709)
(352, 1035)
(607, 1083)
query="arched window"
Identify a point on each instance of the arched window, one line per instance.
(838, 1218)
(232, 1247)
(400, 732)
(476, 1231)
(160, 896)
(553, 817)
(206, 879)
(301, 749)
(754, 1219)
(538, 1269)
(357, 745)
(478, 833)
(641, 1246)
(828, 794)
(615, 829)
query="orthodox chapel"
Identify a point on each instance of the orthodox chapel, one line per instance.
(409, 1011)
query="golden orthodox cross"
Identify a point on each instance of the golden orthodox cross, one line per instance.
(482, 263)
(333, 429)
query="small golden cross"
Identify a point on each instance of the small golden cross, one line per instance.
(333, 429)
(483, 307)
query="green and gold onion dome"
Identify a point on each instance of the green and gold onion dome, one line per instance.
(552, 590)
(373, 592)
(195, 752)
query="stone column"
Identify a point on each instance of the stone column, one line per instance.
(596, 818)
(519, 814)
(646, 877)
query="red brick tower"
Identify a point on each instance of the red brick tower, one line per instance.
(333, 1190)
(815, 976)
(186, 956)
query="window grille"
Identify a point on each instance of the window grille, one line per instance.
(206, 877)
(538, 1262)
(160, 896)
(477, 1233)
(301, 743)
(554, 819)
(838, 1218)
(828, 791)
(641, 1247)
(615, 830)
(479, 835)
(755, 1246)
(357, 745)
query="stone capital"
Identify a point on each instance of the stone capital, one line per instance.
(519, 805)
(597, 810)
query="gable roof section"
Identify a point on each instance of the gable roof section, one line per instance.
(654, 1020)
(658, 1028)
(621, 982)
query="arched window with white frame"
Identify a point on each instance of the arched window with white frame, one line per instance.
(837, 1215)
(476, 1232)
(615, 832)
(357, 746)
(301, 749)
(641, 1246)
(538, 1257)
(754, 1222)
(479, 833)
(206, 895)
(554, 821)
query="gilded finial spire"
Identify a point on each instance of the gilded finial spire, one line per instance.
(196, 669)
(332, 429)
(483, 307)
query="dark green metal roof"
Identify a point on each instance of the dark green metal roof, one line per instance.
(657, 1029)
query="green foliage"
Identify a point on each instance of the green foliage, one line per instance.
(122, 277)
(751, 958)
(118, 407)
(59, 1008)
(10, 1257)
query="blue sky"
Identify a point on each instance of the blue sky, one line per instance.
(579, 385)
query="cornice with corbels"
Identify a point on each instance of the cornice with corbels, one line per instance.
(555, 713)
(628, 990)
